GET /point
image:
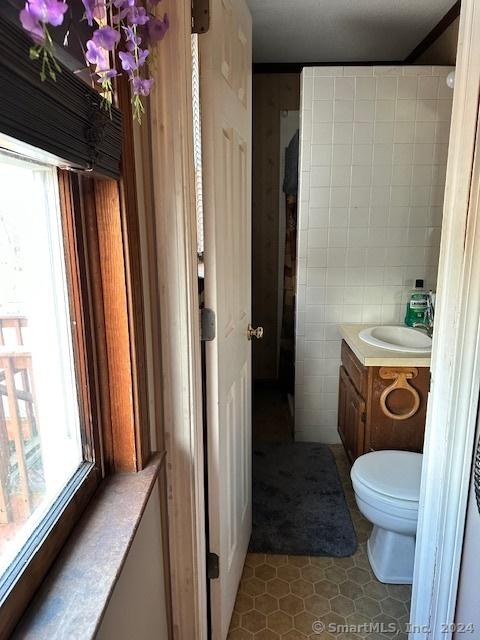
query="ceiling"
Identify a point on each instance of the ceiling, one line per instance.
(341, 30)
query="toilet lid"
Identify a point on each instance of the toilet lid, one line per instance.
(392, 473)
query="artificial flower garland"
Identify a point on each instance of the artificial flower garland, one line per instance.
(135, 29)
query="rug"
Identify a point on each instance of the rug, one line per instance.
(299, 507)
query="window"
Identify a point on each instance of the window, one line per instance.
(70, 398)
(73, 390)
(40, 432)
(49, 428)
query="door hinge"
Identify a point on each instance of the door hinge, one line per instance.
(200, 16)
(213, 566)
(207, 324)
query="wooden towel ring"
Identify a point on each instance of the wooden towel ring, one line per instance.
(400, 381)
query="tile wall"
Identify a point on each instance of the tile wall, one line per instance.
(373, 153)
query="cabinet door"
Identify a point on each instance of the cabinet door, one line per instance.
(351, 417)
(342, 405)
(386, 433)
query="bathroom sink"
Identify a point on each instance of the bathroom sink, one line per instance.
(397, 338)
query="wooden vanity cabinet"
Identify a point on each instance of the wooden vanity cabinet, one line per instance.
(351, 416)
(381, 407)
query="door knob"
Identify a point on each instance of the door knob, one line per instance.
(254, 333)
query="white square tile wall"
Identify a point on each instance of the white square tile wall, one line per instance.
(373, 153)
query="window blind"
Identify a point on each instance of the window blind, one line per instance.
(63, 117)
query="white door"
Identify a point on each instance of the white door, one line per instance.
(226, 107)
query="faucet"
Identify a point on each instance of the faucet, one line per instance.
(427, 326)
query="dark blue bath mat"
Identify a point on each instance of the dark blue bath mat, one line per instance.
(299, 506)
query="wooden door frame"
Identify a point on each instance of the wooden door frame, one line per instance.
(176, 320)
(453, 403)
(455, 372)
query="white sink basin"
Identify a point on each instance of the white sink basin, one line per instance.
(397, 338)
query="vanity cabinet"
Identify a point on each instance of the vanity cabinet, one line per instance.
(381, 407)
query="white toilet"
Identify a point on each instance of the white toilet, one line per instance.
(387, 489)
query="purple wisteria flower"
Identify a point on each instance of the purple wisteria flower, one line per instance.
(157, 28)
(132, 40)
(123, 4)
(131, 33)
(131, 11)
(38, 13)
(96, 55)
(142, 55)
(141, 87)
(104, 78)
(106, 74)
(129, 64)
(106, 38)
(136, 26)
(137, 15)
(47, 11)
(31, 25)
(94, 10)
(131, 46)
(35, 18)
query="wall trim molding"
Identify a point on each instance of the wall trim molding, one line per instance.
(435, 33)
(452, 410)
(296, 67)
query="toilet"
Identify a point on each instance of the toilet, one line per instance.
(387, 489)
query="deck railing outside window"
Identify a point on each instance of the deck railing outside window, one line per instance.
(21, 468)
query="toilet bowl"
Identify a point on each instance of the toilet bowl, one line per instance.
(387, 489)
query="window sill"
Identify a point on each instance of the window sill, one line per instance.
(73, 598)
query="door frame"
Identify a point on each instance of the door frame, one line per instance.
(455, 370)
(451, 412)
(176, 319)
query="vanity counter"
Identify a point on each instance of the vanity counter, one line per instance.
(370, 356)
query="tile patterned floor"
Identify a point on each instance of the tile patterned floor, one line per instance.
(282, 597)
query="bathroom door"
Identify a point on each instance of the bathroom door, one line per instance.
(226, 109)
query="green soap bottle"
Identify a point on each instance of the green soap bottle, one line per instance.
(417, 305)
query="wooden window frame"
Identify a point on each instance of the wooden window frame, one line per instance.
(103, 264)
(25, 574)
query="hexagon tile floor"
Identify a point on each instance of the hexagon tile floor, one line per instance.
(299, 597)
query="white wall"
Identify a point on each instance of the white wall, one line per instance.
(373, 150)
(137, 609)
